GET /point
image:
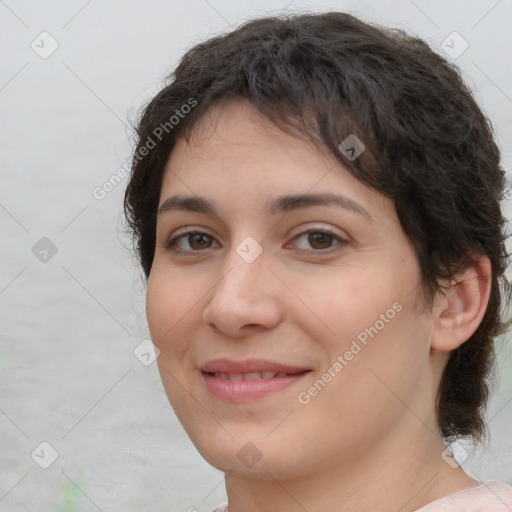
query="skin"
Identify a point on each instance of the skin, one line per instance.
(369, 438)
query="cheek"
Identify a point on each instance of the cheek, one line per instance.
(159, 307)
(372, 313)
(169, 306)
(350, 301)
(391, 363)
(169, 314)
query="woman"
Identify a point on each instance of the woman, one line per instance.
(315, 205)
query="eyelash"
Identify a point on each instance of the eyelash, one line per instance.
(324, 231)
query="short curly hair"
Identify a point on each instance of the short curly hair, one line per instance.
(429, 148)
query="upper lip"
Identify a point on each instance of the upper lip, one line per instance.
(249, 366)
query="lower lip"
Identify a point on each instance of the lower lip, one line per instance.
(246, 390)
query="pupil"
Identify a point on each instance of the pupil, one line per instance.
(322, 239)
(199, 240)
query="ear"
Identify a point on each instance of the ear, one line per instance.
(458, 313)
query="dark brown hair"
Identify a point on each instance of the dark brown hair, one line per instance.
(428, 147)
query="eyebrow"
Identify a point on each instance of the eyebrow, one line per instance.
(276, 205)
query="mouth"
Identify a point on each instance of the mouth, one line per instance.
(244, 381)
(250, 376)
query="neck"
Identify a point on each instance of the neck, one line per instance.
(393, 477)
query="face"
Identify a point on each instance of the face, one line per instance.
(283, 298)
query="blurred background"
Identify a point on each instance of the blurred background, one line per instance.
(84, 422)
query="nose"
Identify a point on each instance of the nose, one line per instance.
(245, 299)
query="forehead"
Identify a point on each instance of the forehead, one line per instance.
(235, 152)
(232, 129)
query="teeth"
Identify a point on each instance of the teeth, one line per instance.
(249, 376)
(252, 376)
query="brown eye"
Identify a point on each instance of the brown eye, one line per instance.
(193, 241)
(199, 241)
(319, 240)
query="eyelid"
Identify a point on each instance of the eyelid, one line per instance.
(313, 227)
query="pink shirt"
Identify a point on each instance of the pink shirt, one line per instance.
(491, 496)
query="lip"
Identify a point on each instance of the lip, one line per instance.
(247, 390)
(249, 366)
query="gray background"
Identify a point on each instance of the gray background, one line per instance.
(70, 321)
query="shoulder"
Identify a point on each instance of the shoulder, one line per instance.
(491, 496)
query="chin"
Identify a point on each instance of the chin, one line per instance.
(265, 459)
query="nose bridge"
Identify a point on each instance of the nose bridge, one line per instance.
(242, 296)
(245, 271)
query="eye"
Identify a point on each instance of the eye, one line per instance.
(313, 240)
(318, 240)
(190, 241)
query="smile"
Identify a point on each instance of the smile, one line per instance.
(252, 379)
(250, 376)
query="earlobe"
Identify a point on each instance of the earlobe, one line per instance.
(459, 312)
